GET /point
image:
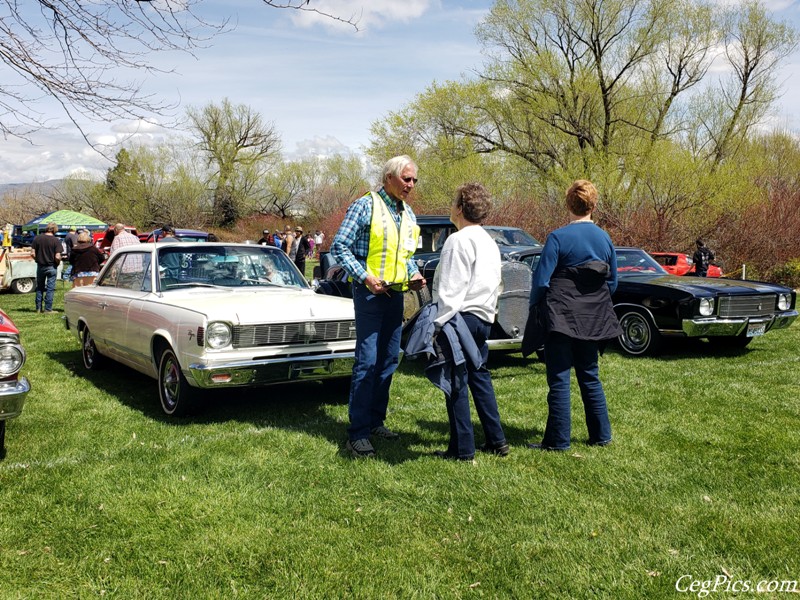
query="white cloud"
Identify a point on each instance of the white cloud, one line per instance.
(368, 15)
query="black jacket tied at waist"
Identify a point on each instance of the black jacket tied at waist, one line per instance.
(578, 303)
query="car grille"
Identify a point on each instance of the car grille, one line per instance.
(249, 336)
(747, 306)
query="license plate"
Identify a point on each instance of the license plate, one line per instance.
(756, 329)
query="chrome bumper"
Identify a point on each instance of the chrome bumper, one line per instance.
(272, 370)
(12, 397)
(715, 326)
(512, 344)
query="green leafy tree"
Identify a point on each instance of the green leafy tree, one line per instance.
(238, 146)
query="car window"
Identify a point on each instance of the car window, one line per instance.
(433, 237)
(532, 260)
(511, 236)
(226, 266)
(667, 260)
(637, 261)
(129, 270)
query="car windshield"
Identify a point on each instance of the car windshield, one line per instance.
(226, 266)
(637, 261)
(511, 236)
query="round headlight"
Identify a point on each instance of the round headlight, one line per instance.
(784, 301)
(218, 335)
(706, 306)
(12, 357)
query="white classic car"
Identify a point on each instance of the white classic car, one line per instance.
(200, 316)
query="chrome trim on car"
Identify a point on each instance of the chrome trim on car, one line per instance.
(505, 344)
(715, 326)
(278, 334)
(12, 397)
(273, 370)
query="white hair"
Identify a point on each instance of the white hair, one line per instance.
(394, 166)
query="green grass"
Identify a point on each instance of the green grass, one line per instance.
(100, 495)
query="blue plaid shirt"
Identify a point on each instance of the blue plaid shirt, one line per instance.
(350, 246)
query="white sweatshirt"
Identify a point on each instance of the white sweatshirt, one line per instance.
(468, 276)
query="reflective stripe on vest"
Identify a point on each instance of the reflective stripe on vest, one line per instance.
(390, 247)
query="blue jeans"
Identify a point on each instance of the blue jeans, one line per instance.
(379, 321)
(45, 286)
(561, 354)
(466, 379)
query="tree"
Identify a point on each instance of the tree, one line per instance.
(78, 53)
(238, 146)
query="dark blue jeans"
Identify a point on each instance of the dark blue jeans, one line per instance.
(45, 286)
(466, 379)
(379, 321)
(561, 354)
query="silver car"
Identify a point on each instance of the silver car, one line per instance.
(204, 316)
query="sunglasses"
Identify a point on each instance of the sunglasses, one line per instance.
(409, 179)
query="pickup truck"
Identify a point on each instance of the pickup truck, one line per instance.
(18, 270)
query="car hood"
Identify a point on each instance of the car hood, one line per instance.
(274, 305)
(703, 286)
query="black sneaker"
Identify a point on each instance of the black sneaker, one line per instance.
(500, 450)
(384, 432)
(361, 448)
(444, 454)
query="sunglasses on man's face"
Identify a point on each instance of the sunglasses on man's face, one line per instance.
(409, 180)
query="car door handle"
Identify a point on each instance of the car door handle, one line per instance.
(103, 304)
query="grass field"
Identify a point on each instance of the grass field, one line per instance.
(100, 495)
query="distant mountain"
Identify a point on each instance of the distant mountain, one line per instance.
(40, 187)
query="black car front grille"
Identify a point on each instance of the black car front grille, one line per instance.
(277, 334)
(762, 305)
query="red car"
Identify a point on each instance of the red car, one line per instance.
(13, 386)
(676, 263)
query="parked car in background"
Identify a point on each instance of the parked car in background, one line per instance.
(677, 263)
(207, 316)
(652, 305)
(182, 235)
(13, 386)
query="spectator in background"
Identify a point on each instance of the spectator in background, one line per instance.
(301, 250)
(702, 258)
(46, 248)
(311, 244)
(212, 238)
(122, 238)
(319, 239)
(289, 245)
(86, 258)
(167, 234)
(277, 239)
(69, 242)
(264, 239)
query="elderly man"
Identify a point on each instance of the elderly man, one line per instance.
(122, 238)
(374, 245)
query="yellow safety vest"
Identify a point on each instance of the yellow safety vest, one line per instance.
(390, 248)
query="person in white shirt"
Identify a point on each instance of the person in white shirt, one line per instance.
(467, 281)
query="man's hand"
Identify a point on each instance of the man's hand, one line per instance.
(375, 285)
(417, 282)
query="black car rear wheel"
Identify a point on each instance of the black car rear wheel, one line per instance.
(92, 359)
(639, 335)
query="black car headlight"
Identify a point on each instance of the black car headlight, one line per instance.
(784, 301)
(706, 307)
(12, 357)
(218, 335)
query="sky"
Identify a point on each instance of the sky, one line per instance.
(322, 85)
